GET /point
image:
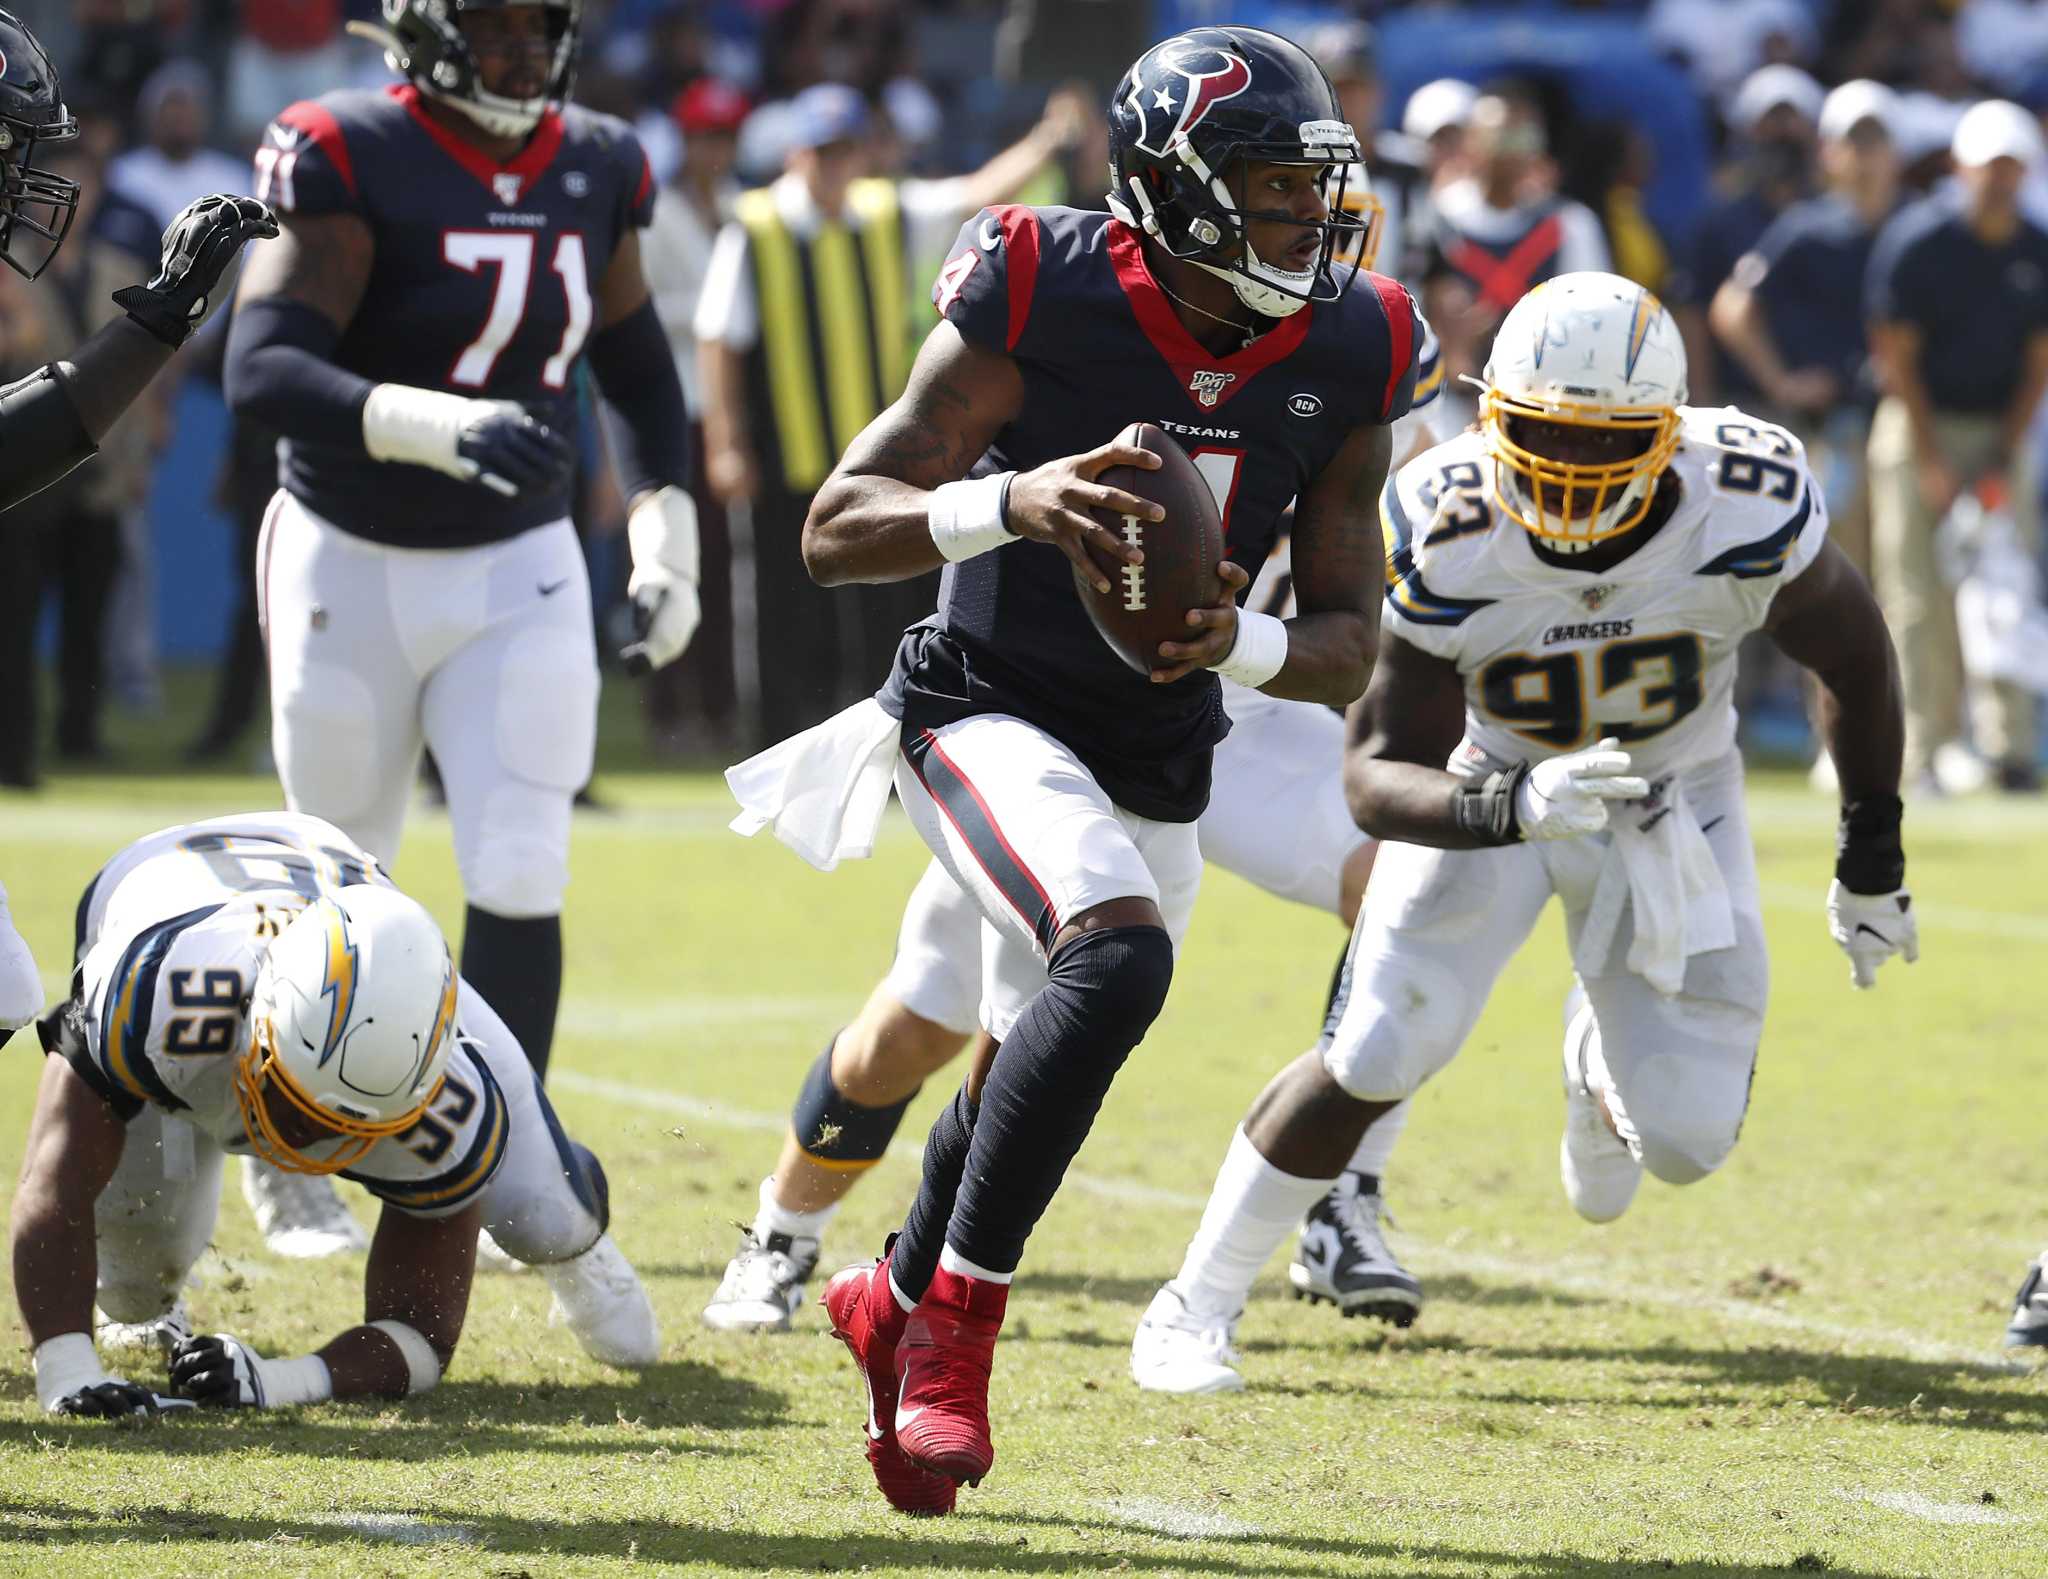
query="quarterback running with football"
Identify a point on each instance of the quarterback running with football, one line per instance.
(1056, 786)
(53, 420)
(1552, 713)
(455, 249)
(255, 984)
(1276, 817)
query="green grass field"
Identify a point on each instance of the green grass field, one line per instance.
(1790, 1367)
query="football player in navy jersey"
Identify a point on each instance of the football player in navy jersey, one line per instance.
(52, 420)
(455, 248)
(1056, 786)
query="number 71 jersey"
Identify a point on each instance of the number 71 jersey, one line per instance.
(1554, 659)
(483, 284)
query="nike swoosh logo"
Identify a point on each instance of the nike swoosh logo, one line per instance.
(549, 588)
(991, 236)
(1864, 926)
(1651, 822)
(1709, 827)
(907, 1417)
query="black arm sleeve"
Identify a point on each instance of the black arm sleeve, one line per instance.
(645, 416)
(42, 436)
(280, 374)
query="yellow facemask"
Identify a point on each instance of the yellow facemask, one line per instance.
(1361, 204)
(1551, 510)
(258, 1069)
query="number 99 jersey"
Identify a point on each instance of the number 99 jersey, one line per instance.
(170, 935)
(1554, 659)
(483, 284)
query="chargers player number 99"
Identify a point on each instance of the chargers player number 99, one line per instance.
(511, 253)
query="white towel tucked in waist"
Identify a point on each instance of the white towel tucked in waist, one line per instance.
(823, 791)
(1659, 863)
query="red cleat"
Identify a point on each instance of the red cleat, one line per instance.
(943, 1362)
(867, 1319)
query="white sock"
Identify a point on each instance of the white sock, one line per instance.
(951, 1260)
(1376, 1145)
(1252, 1209)
(772, 1217)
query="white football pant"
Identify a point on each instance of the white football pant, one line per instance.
(485, 654)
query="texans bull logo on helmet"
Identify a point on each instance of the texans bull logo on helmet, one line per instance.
(1179, 85)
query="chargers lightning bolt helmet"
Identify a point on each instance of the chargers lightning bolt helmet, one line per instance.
(36, 207)
(423, 40)
(1182, 123)
(351, 1025)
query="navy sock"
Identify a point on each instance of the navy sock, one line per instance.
(516, 966)
(1047, 1084)
(916, 1256)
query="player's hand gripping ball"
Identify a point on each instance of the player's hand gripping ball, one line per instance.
(1179, 555)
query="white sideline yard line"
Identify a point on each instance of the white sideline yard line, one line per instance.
(1541, 1273)
(1917, 1506)
(1178, 1519)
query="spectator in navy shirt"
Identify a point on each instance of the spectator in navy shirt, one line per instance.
(1958, 302)
(1773, 116)
(1792, 312)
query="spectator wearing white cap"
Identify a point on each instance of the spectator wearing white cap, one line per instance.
(1396, 165)
(1958, 302)
(1771, 118)
(1791, 313)
(1435, 118)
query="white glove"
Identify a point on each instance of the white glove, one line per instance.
(1566, 797)
(662, 533)
(494, 442)
(21, 984)
(1871, 928)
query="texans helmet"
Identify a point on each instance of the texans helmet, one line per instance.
(36, 205)
(423, 41)
(1183, 119)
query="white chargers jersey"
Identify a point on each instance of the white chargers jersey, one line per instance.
(171, 934)
(1554, 659)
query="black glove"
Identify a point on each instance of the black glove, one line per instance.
(217, 1372)
(198, 247)
(513, 452)
(114, 1399)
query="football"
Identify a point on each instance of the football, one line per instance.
(1148, 603)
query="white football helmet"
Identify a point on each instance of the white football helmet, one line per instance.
(351, 1024)
(1590, 351)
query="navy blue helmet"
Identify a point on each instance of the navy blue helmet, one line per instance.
(1183, 120)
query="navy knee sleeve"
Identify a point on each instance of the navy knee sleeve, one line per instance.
(837, 1131)
(1047, 1084)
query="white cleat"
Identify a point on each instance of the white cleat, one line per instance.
(300, 1215)
(1599, 1170)
(763, 1286)
(159, 1335)
(600, 1298)
(494, 1257)
(1178, 1350)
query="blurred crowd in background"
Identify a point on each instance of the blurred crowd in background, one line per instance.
(1842, 201)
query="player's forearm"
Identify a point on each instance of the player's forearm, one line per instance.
(1329, 658)
(866, 529)
(56, 1265)
(111, 370)
(1409, 802)
(1862, 723)
(279, 374)
(646, 418)
(365, 1362)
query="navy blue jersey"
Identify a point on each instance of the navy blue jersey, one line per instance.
(1067, 295)
(483, 285)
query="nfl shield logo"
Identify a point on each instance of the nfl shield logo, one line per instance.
(507, 185)
(1593, 597)
(1207, 388)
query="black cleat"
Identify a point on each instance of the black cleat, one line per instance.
(1342, 1258)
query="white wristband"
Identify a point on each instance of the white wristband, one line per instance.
(305, 1380)
(1259, 651)
(419, 426)
(63, 1365)
(966, 518)
(422, 1364)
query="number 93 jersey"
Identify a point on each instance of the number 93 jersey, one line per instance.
(1554, 659)
(483, 284)
(171, 934)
